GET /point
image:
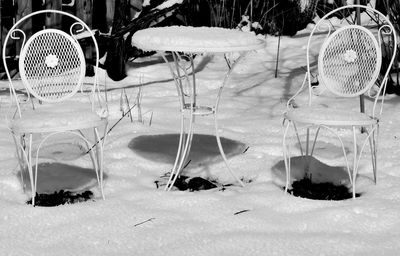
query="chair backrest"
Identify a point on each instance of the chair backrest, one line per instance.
(51, 61)
(52, 65)
(349, 61)
(352, 58)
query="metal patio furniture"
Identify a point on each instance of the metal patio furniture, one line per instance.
(184, 43)
(52, 68)
(348, 59)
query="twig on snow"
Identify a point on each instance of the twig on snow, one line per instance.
(239, 212)
(140, 223)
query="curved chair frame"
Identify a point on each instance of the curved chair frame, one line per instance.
(368, 123)
(62, 79)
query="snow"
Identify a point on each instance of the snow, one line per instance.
(260, 219)
(164, 5)
(46, 118)
(167, 4)
(195, 39)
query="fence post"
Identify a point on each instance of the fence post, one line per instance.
(110, 9)
(84, 9)
(53, 20)
(24, 8)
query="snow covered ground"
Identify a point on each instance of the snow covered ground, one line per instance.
(260, 219)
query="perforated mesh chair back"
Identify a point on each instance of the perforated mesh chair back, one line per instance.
(350, 61)
(52, 65)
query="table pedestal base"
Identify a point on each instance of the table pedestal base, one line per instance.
(183, 72)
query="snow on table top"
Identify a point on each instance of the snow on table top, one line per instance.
(195, 39)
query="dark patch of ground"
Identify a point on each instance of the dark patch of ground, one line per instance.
(320, 191)
(61, 197)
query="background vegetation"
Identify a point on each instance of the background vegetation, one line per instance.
(392, 8)
(273, 17)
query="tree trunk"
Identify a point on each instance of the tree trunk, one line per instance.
(100, 15)
(116, 54)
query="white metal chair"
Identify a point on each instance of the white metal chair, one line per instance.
(349, 64)
(52, 68)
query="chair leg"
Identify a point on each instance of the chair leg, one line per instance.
(307, 155)
(32, 176)
(99, 161)
(24, 154)
(19, 147)
(355, 162)
(96, 155)
(286, 156)
(349, 173)
(371, 140)
(315, 140)
(298, 139)
(373, 147)
(102, 155)
(221, 150)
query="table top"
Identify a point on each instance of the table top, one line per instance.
(196, 39)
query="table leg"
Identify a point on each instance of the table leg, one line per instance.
(231, 62)
(183, 73)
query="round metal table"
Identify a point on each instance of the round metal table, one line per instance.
(184, 43)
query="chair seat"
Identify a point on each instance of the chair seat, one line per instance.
(328, 116)
(65, 117)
